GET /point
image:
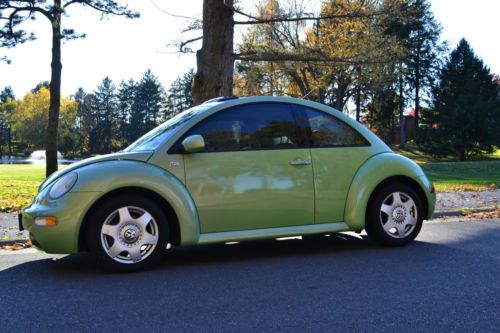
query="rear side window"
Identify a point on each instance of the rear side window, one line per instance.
(328, 131)
(250, 127)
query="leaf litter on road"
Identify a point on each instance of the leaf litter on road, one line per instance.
(17, 246)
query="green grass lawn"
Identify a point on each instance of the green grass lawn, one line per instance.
(448, 175)
(19, 182)
(463, 176)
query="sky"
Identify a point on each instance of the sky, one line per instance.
(124, 49)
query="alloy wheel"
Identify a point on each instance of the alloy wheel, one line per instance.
(129, 234)
(398, 214)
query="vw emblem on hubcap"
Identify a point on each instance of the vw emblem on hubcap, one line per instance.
(399, 214)
(130, 234)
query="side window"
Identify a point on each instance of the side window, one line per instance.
(328, 131)
(249, 127)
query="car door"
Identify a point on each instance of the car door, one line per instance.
(337, 152)
(254, 172)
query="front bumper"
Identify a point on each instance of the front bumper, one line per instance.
(69, 211)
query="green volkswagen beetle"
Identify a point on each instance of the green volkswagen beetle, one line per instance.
(231, 169)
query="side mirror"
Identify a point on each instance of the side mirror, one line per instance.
(193, 143)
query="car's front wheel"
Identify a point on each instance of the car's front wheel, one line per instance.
(127, 233)
(394, 215)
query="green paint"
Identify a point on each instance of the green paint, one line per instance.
(245, 235)
(334, 170)
(232, 195)
(251, 189)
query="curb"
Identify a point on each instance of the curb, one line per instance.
(461, 213)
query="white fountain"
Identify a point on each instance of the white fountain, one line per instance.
(38, 156)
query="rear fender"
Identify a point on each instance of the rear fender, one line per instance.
(373, 172)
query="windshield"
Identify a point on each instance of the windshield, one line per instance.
(154, 138)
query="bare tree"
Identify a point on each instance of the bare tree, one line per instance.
(215, 59)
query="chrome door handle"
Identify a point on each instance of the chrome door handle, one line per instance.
(300, 162)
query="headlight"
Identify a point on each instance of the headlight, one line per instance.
(63, 185)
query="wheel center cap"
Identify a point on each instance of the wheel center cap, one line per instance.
(130, 234)
(399, 214)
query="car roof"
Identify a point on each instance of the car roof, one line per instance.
(234, 100)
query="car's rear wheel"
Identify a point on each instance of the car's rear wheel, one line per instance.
(394, 215)
(127, 233)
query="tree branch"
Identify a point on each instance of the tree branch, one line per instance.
(173, 15)
(245, 14)
(28, 8)
(183, 44)
(118, 11)
(70, 3)
(353, 15)
(300, 57)
(16, 10)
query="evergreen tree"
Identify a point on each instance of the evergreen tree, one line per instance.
(85, 121)
(416, 50)
(180, 95)
(6, 106)
(424, 51)
(152, 97)
(6, 94)
(381, 111)
(126, 97)
(79, 97)
(40, 85)
(105, 110)
(137, 119)
(147, 106)
(465, 116)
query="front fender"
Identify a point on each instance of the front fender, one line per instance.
(374, 171)
(107, 176)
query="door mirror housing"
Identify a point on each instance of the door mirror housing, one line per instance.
(193, 144)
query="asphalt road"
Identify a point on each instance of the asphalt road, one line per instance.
(448, 280)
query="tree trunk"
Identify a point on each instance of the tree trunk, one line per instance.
(358, 93)
(417, 92)
(298, 81)
(402, 136)
(215, 60)
(461, 155)
(10, 141)
(358, 102)
(321, 95)
(55, 92)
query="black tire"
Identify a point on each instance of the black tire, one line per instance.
(109, 211)
(379, 223)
